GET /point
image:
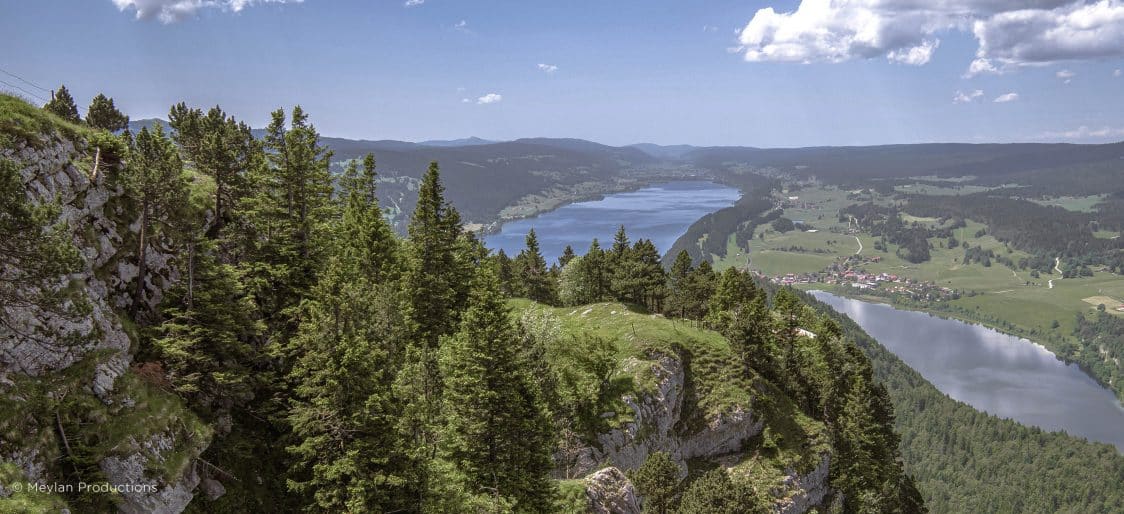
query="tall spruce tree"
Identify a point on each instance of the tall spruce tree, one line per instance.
(205, 339)
(63, 106)
(678, 289)
(497, 434)
(432, 305)
(349, 455)
(104, 115)
(596, 271)
(154, 179)
(280, 237)
(536, 281)
(567, 255)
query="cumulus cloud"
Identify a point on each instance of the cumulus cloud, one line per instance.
(1004, 98)
(172, 11)
(1116, 73)
(414, 3)
(963, 98)
(490, 98)
(461, 25)
(1010, 33)
(549, 68)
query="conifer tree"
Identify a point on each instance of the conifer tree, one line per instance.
(657, 480)
(432, 305)
(716, 493)
(595, 266)
(280, 238)
(678, 288)
(63, 106)
(154, 179)
(536, 281)
(734, 288)
(205, 340)
(219, 147)
(505, 273)
(34, 250)
(350, 456)
(695, 293)
(433, 231)
(567, 255)
(104, 115)
(497, 433)
(363, 235)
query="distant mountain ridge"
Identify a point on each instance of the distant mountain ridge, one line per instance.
(515, 171)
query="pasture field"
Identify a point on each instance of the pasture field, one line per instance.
(1028, 303)
(1073, 203)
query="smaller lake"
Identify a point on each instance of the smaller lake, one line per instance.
(661, 213)
(994, 372)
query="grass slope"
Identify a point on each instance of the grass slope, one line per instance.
(713, 383)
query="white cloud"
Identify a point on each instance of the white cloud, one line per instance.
(461, 25)
(709, 28)
(1004, 98)
(1084, 132)
(917, 55)
(490, 98)
(1116, 73)
(963, 98)
(549, 68)
(1065, 74)
(1075, 30)
(414, 3)
(172, 11)
(1010, 33)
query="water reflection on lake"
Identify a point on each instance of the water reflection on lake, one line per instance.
(991, 371)
(660, 212)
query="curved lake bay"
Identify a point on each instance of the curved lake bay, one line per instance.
(991, 371)
(660, 212)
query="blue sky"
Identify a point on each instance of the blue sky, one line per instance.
(853, 72)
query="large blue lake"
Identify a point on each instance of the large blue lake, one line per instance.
(1000, 374)
(661, 213)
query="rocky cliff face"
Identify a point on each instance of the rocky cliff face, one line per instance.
(802, 492)
(657, 428)
(654, 430)
(37, 343)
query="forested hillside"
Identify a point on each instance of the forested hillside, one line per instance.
(278, 347)
(221, 315)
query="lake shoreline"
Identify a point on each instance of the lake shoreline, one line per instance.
(972, 321)
(660, 211)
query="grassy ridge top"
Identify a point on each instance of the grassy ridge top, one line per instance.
(714, 384)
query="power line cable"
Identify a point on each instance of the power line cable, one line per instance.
(28, 82)
(13, 86)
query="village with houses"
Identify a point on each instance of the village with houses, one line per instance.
(849, 272)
